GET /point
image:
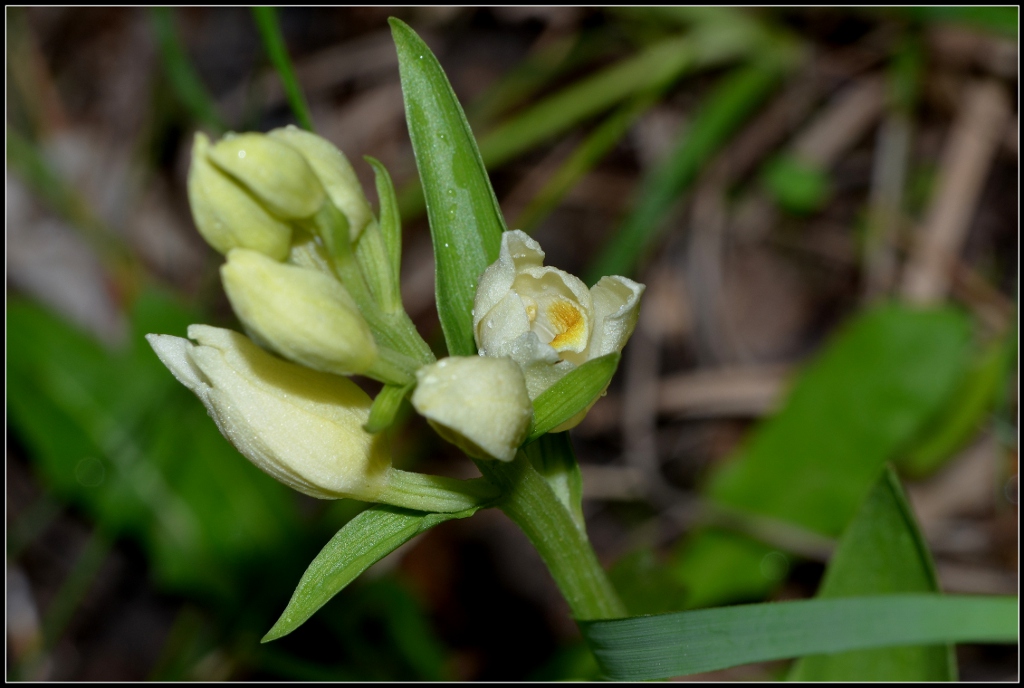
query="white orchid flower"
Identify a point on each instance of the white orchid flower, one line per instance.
(545, 319)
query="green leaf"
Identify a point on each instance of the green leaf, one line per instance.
(645, 585)
(681, 643)
(385, 407)
(270, 32)
(882, 552)
(390, 220)
(465, 220)
(572, 394)
(368, 537)
(883, 376)
(717, 566)
(726, 108)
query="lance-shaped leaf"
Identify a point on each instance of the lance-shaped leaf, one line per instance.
(575, 392)
(465, 220)
(365, 539)
(385, 407)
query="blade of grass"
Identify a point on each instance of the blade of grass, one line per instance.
(727, 107)
(465, 220)
(183, 77)
(583, 159)
(681, 643)
(270, 32)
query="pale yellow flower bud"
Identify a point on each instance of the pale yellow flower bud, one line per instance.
(335, 172)
(302, 427)
(226, 215)
(545, 319)
(274, 172)
(478, 404)
(301, 313)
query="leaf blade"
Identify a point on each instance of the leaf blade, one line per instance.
(648, 647)
(572, 394)
(465, 219)
(367, 538)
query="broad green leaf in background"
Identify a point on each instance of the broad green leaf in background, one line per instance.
(368, 537)
(883, 375)
(881, 552)
(870, 391)
(725, 109)
(645, 585)
(966, 410)
(797, 186)
(572, 394)
(465, 220)
(681, 643)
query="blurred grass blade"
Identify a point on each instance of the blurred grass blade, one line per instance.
(373, 534)
(270, 32)
(26, 160)
(726, 108)
(183, 76)
(385, 407)
(390, 219)
(573, 393)
(465, 220)
(882, 552)
(588, 97)
(681, 643)
(583, 159)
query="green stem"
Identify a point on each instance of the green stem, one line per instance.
(435, 493)
(565, 549)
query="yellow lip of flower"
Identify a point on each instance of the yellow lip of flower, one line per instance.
(302, 427)
(545, 319)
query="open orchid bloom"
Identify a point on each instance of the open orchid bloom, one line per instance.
(545, 319)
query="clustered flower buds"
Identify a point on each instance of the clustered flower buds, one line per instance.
(308, 275)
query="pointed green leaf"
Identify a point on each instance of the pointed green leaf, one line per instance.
(681, 643)
(572, 394)
(385, 407)
(882, 552)
(367, 538)
(390, 219)
(465, 220)
(553, 457)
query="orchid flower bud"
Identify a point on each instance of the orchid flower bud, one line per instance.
(545, 319)
(478, 404)
(301, 313)
(272, 171)
(226, 215)
(335, 173)
(302, 427)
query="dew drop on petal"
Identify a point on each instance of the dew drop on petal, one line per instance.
(241, 153)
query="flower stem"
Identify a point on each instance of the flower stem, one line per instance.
(530, 502)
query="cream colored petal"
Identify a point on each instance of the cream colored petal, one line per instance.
(226, 215)
(505, 323)
(273, 171)
(616, 308)
(173, 352)
(335, 173)
(518, 252)
(540, 364)
(478, 403)
(305, 315)
(300, 426)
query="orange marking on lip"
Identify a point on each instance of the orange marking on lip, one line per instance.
(568, 321)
